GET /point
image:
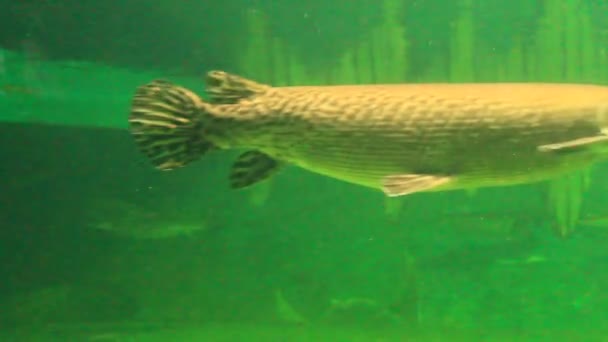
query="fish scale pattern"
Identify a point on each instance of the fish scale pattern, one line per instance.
(479, 134)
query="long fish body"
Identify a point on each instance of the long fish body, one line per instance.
(398, 138)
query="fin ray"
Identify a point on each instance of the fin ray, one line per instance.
(252, 167)
(225, 88)
(573, 145)
(165, 121)
(401, 185)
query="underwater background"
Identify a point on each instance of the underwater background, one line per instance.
(96, 245)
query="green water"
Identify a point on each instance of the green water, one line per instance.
(96, 245)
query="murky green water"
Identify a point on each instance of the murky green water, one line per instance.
(96, 245)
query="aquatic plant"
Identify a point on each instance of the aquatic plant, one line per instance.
(564, 32)
(462, 45)
(285, 312)
(565, 198)
(253, 62)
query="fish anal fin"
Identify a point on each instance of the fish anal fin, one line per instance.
(401, 185)
(226, 88)
(574, 145)
(252, 167)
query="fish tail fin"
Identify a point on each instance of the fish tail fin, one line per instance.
(166, 122)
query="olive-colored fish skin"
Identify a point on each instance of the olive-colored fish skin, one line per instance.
(428, 137)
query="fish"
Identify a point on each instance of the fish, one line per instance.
(126, 219)
(160, 231)
(600, 221)
(13, 89)
(399, 139)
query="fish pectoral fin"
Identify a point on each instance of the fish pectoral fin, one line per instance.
(401, 185)
(252, 167)
(573, 145)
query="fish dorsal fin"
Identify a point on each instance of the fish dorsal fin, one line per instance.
(225, 88)
(252, 167)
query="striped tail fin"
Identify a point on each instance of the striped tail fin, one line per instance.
(165, 121)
